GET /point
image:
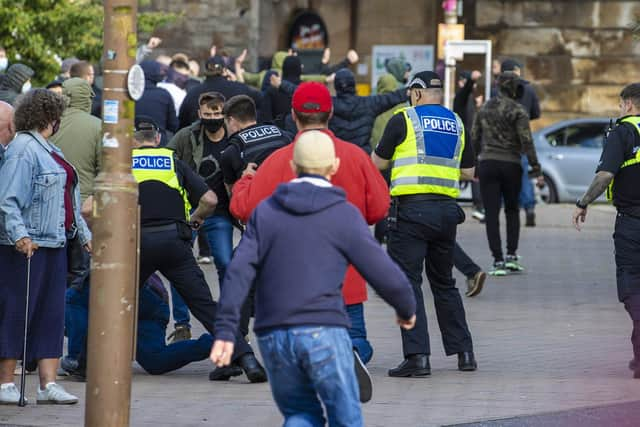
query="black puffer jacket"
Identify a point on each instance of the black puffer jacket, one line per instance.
(12, 82)
(353, 115)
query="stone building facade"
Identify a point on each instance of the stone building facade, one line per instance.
(577, 53)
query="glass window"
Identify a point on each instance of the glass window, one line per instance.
(585, 135)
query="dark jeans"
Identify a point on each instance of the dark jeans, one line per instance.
(358, 332)
(527, 194)
(626, 240)
(162, 249)
(464, 263)
(203, 244)
(156, 357)
(307, 365)
(425, 237)
(500, 181)
(179, 309)
(76, 320)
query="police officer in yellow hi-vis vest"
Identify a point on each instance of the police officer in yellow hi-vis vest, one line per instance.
(167, 190)
(618, 174)
(424, 145)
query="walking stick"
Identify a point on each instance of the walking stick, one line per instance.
(22, 401)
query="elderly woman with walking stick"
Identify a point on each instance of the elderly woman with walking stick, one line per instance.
(39, 213)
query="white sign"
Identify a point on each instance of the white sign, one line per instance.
(135, 82)
(109, 141)
(110, 111)
(420, 57)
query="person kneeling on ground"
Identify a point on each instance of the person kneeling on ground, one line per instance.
(308, 235)
(152, 352)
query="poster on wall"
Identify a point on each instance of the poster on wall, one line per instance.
(420, 57)
(308, 31)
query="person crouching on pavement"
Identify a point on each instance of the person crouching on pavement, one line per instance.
(297, 246)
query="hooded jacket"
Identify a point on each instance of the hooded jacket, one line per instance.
(501, 129)
(387, 83)
(397, 68)
(297, 247)
(280, 101)
(353, 115)
(357, 174)
(11, 85)
(80, 134)
(157, 102)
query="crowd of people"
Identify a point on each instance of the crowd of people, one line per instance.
(302, 174)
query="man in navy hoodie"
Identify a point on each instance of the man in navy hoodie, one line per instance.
(297, 247)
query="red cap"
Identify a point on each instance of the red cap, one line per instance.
(311, 97)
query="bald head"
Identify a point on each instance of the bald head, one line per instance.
(7, 129)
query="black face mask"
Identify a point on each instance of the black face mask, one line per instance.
(212, 125)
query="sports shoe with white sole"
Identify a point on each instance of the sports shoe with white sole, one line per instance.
(55, 394)
(364, 378)
(498, 269)
(9, 394)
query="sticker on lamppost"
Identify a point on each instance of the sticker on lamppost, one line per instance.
(135, 82)
(110, 111)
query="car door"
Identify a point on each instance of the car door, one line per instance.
(575, 150)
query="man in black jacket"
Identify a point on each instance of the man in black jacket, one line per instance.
(216, 81)
(353, 115)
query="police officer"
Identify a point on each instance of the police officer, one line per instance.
(425, 147)
(618, 173)
(167, 190)
(249, 142)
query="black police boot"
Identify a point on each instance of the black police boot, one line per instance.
(225, 373)
(254, 370)
(531, 218)
(467, 361)
(416, 365)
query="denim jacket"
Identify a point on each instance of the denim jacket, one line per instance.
(32, 194)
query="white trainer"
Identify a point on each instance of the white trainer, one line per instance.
(55, 394)
(9, 394)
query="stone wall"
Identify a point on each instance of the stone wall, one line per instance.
(578, 53)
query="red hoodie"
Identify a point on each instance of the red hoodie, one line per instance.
(357, 175)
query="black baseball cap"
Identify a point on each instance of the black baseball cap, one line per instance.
(426, 80)
(509, 65)
(214, 65)
(145, 123)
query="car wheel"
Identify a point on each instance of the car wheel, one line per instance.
(549, 194)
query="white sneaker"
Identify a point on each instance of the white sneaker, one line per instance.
(9, 394)
(55, 394)
(204, 260)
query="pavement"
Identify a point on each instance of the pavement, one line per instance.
(552, 346)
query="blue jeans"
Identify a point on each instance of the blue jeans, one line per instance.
(527, 194)
(358, 332)
(76, 319)
(307, 362)
(219, 232)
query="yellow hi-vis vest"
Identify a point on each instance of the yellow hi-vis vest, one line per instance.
(428, 160)
(156, 164)
(635, 121)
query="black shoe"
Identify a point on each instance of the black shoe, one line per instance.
(254, 370)
(416, 365)
(467, 362)
(633, 364)
(364, 378)
(225, 373)
(531, 219)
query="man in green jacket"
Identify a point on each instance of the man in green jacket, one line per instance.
(80, 134)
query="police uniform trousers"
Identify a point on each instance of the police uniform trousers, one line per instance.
(425, 234)
(163, 249)
(626, 240)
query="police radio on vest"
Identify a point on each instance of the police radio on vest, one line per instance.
(152, 162)
(439, 124)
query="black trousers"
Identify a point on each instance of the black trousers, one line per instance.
(464, 263)
(626, 240)
(501, 182)
(164, 251)
(426, 235)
